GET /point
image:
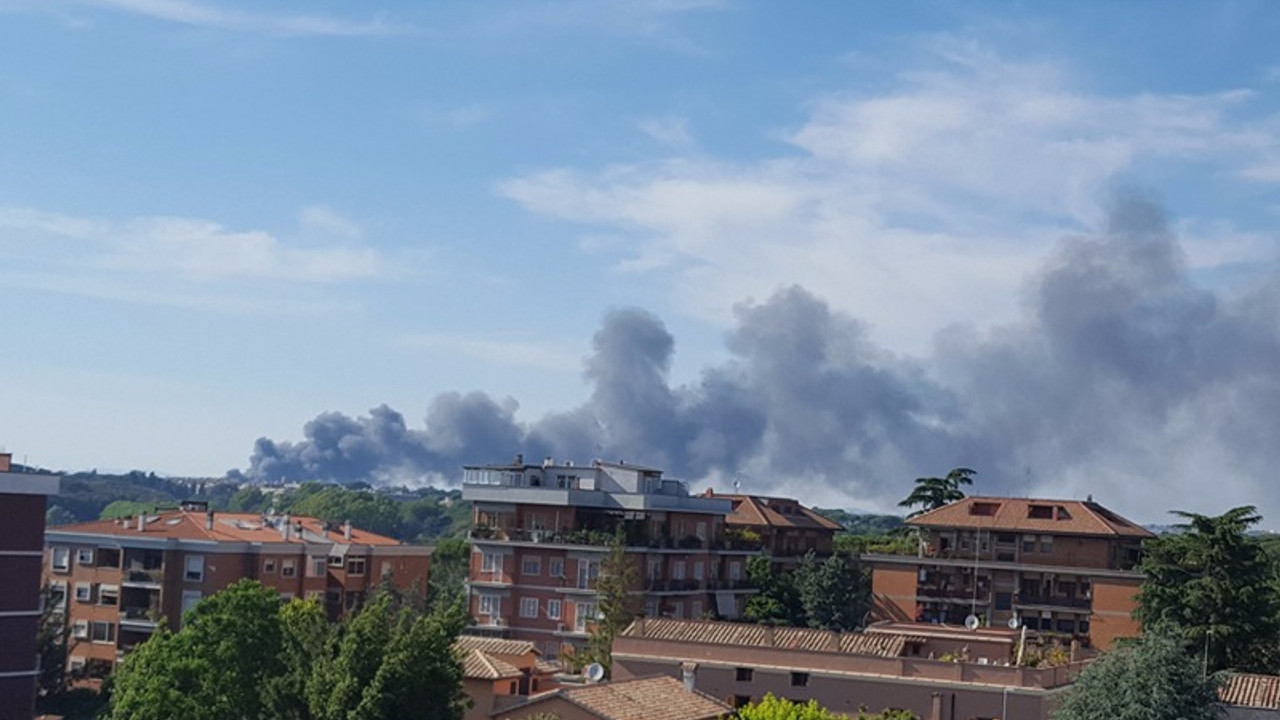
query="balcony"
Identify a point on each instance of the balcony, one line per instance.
(143, 619)
(1056, 601)
(953, 594)
(143, 578)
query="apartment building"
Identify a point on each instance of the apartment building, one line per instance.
(541, 531)
(118, 580)
(936, 673)
(782, 527)
(22, 507)
(1062, 567)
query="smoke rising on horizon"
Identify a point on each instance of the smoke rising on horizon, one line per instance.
(1122, 379)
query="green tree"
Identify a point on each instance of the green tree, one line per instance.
(617, 605)
(772, 708)
(52, 641)
(931, 493)
(125, 508)
(248, 500)
(366, 510)
(1214, 584)
(1159, 677)
(835, 594)
(450, 565)
(213, 668)
(306, 637)
(777, 601)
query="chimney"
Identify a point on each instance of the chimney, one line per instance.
(284, 528)
(208, 520)
(142, 522)
(519, 461)
(689, 675)
(6, 462)
(346, 531)
(547, 462)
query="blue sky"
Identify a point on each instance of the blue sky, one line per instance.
(220, 219)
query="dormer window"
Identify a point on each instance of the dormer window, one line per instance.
(1040, 512)
(984, 509)
(1063, 514)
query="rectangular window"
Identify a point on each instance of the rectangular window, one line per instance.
(84, 556)
(356, 566)
(490, 562)
(677, 610)
(80, 629)
(1028, 543)
(190, 598)
(677, 570)
(195, 568)
(655, 569)
(109, 557)
(699, 570)
(799, 679)
(1065, 625)
(269, 566)
(735, 570)
(317, 566)
(701, 530)
(583, 613)
(553, 609)
(555, 567)
(386, 568)
(695, 609)
(335, 561)
(528, 607)
(532, 565)
(1046, 544)
(60, 559)
(57, 596)
(489, 605)
(288, 568)
(741, 701)
(102, 632)
(1004, 600)
(743, 674)
(84, 592)
(108, 594)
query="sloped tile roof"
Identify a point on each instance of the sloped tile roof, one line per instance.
(653, 698)
(227, 527)
(757, 510)
(1067, 517)
(749, 635)
(1254, 691)
(496, 646)
(479, 665)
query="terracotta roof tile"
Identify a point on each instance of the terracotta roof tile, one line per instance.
(1254, 691)
(654, 698)
(749, 635)
(1062, 517)
(479, 665)
(227, 527)
(496, 646)
(760, 510)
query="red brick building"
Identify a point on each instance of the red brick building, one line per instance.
(785, 528)
(117, 580)
(1062, 567)
(22, 509)
(541, 531)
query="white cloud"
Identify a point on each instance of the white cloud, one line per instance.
(668, 129)
(189, 261)
(913, 208)
(186, 12)
(326, 221)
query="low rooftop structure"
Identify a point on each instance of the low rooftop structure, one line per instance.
(652, 698)
(1027, 515)
(1247, 696)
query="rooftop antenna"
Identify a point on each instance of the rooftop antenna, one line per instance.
(737, 480)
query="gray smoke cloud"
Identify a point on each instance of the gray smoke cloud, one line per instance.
(1122, 379)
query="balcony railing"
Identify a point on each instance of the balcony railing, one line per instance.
(1053, 601)
(143, 616)
(965, 594)
(152, 577)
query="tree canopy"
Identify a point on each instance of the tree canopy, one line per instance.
(931, 493)
(772, 708)
(1158, 677)
(1214, 584)
(617, 606)
(832, 594)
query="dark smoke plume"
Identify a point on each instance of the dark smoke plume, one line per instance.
(1122, 379)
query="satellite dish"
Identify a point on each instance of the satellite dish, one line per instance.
(972, 622)
(1015, 622)
(595, 672)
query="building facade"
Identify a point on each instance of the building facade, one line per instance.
(118, 580)
(541, 532)
(22, 508)
(784, 529)
(1065, 568)
(935, 673)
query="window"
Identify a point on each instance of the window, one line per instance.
(490, 562)
(102, 632)
(741, 701)
(195, 568)
(317, 566)
(288, 568)
(735, 570)
(700, 530)
(356, 566)
(108, 594)
(695, 609)
(190, 598)
(743, 674)
(80, 629)
(1040, 512)
(553, 609)
(1004, 600)
(386, 568)
(677, 610)
(532, 565)
(335, 561)
(583, 613)
(1065, 625)
(84, 592)
(555, 567)
(699, 569)
(528, 607)
(489, 604)
(109, 557)
(84, 556)
(799, 679)
(1046, 544)
(655, 569)
(78, 663)
(1028, 543)
(60, 559)
(677, 570)
(269, 566)
(57, 596)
